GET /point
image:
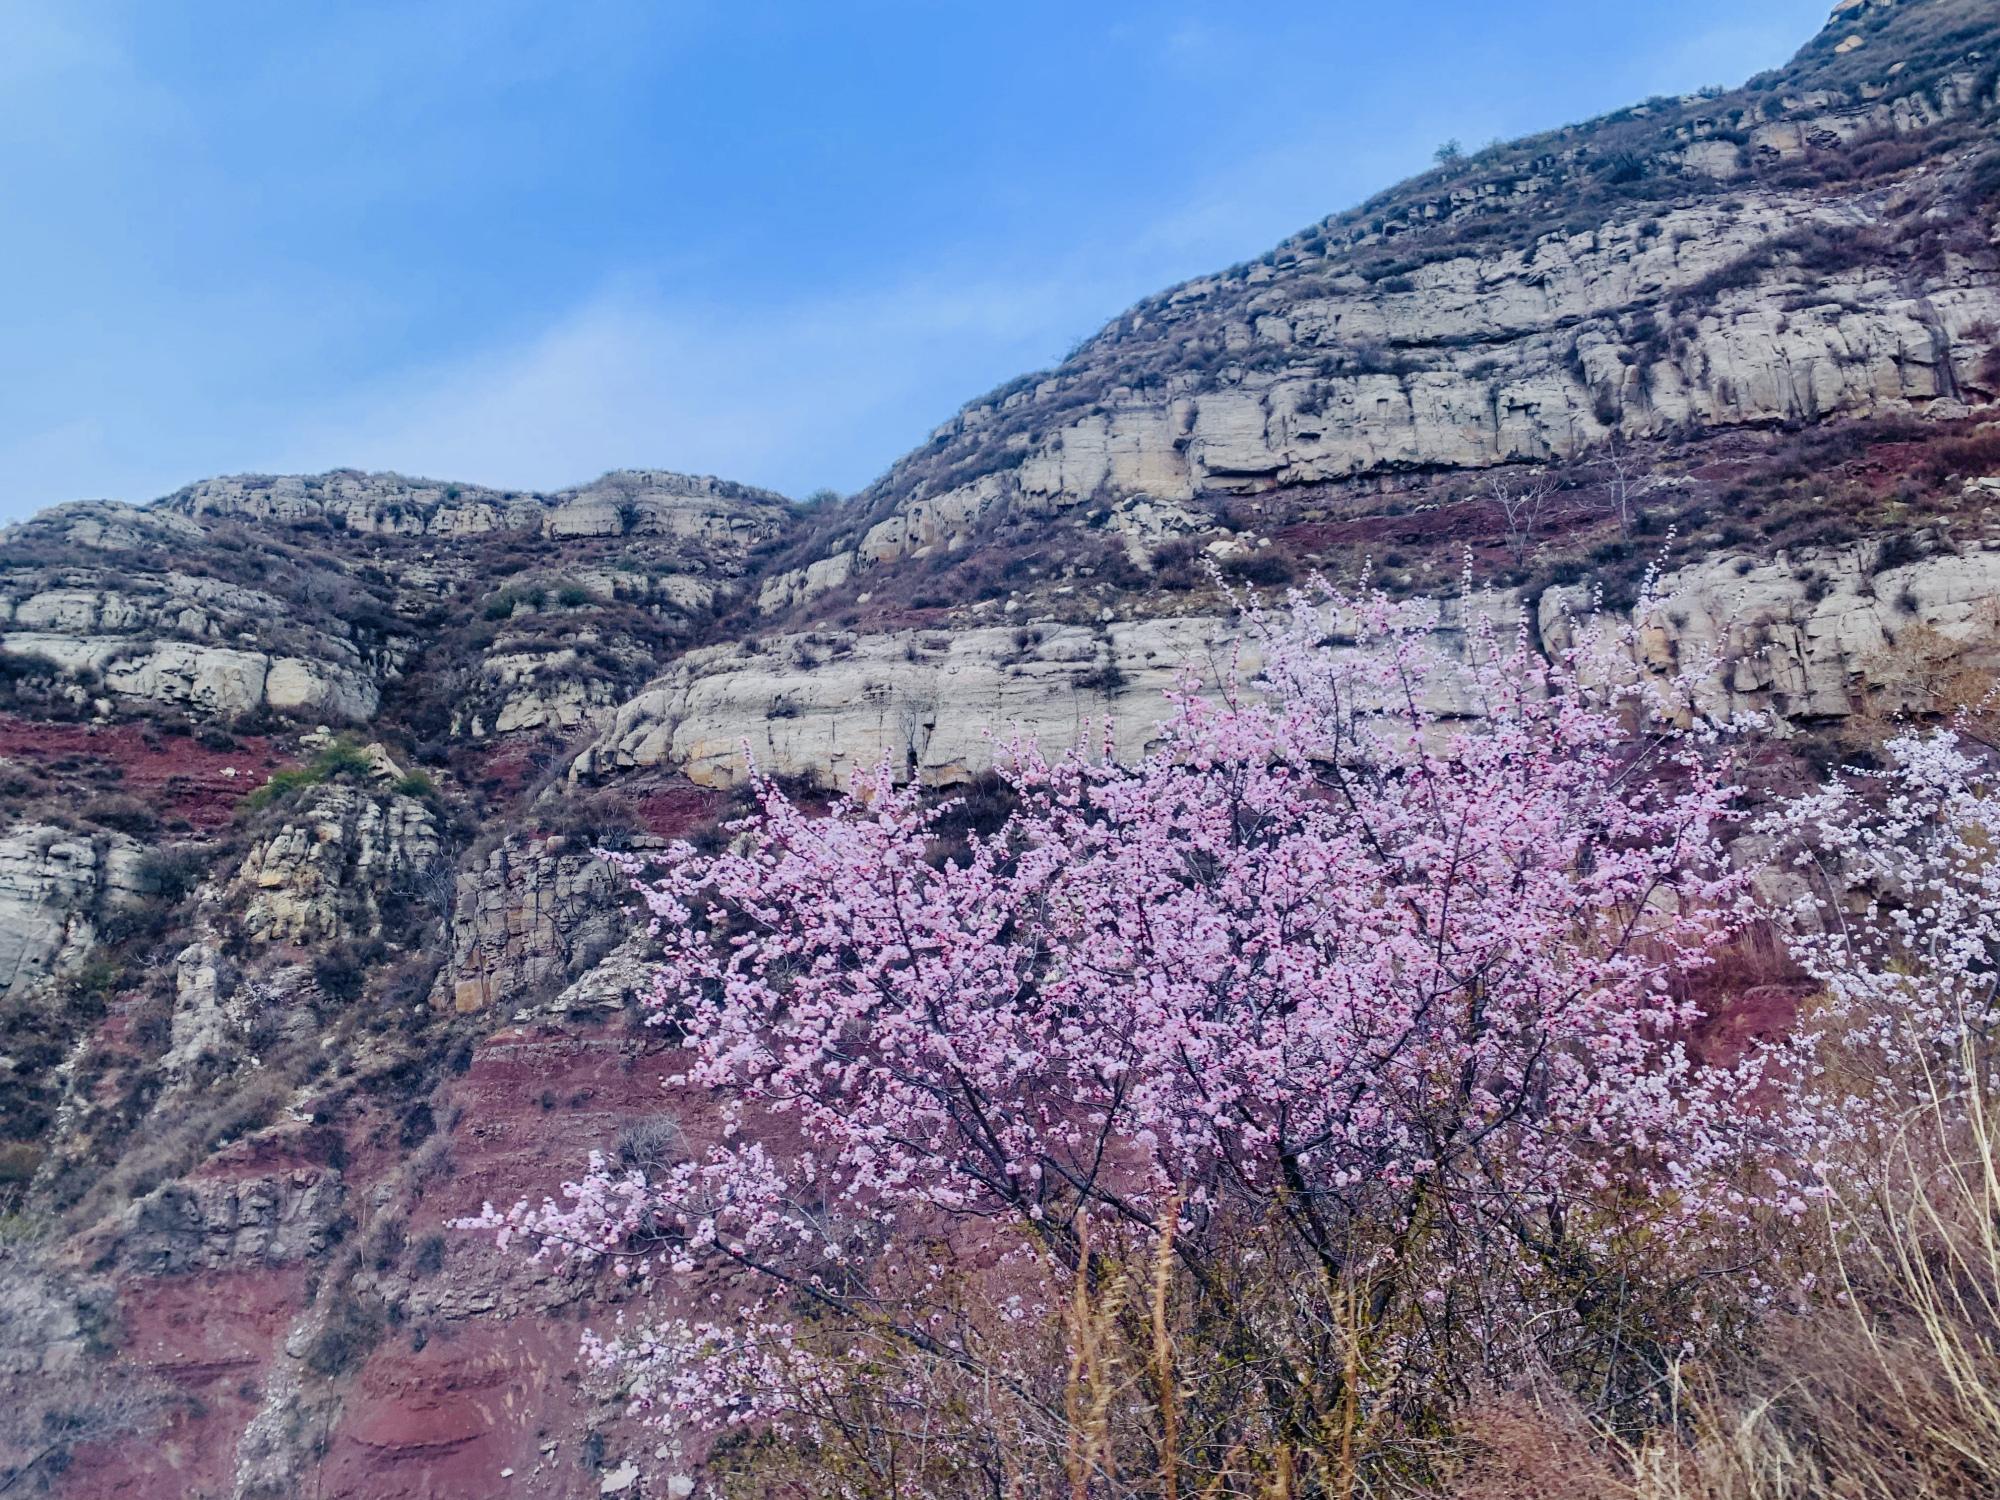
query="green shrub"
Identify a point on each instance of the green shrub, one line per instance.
(28, 666)
(1268, 568)
(172, 871)
(429, 1258)
(18, 1160)
(281, 784)
(417, 785)
(340, 759)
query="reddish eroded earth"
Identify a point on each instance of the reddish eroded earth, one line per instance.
(481, 1398)
(211, 1340)
(507, 768)
(485, 1375)
(476, 1373)
(1761, 1013)
(176, 774)
(676, 810)
(537, 1099)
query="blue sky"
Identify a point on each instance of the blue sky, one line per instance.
(524, 243)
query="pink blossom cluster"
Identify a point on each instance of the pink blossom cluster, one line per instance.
(740, 1369)
(1388, 945)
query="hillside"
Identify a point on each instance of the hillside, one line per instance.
(303, 948)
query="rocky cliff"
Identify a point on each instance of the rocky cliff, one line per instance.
(304, 947)
(1816, 245)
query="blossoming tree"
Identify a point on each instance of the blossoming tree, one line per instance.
(1375, 972)
(1898, 924)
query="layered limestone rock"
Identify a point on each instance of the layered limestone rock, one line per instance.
(214, 680)
(210, 1018)
(1822, 636)
(185, 640)
(56, 888)
(105, 526)
(698, 509)
(529, 918)
(796, 584)
(309, 595)
(232, 1223)
(225, 1013)
(1809, 637)
(43, 1322)
(329, 869)
(539, 690)
(367, 504)
(930, 702)
(1704, 262)
(1715, 315)
(558, 686)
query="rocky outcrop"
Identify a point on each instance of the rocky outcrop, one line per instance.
(833, 703)
(232, 1223)
(56, 888)
(1722, 314)
(539, 690)
(225, 1012)
(212, 680)
(326, 873)
(181, 639)
(797, 584)
(532, 916)
(310, 596)
(1821, 636)
(635, 502)
(1750, 258)
(1815, 636)
(558, 686)
(210, 1018)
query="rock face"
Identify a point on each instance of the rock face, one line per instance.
(527, 920)
(210, 1019)
(1812, 637)
(1821, 637)
(653, 502)
(56, 887)
(931, 703)
(232, 1223)
(1716, 261)
(1526, 354)
(307, 597)
(326, 873)
(127, 603)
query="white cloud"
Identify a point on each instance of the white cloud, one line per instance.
(42, 43)
(793, 396)
(825, 390)
(824, 387)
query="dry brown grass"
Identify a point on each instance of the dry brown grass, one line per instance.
(1884, 1384)
(1886, 1388)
